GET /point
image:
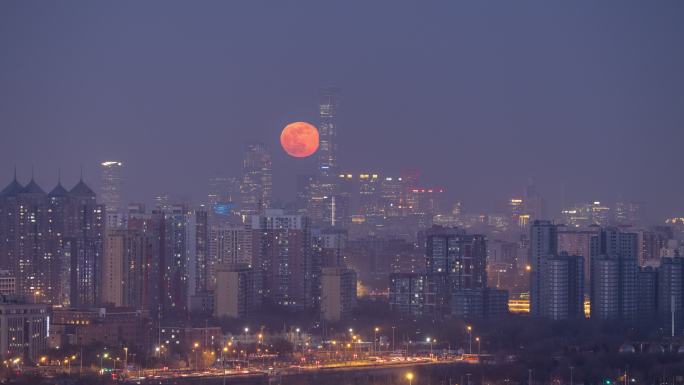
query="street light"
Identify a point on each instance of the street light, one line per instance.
(477, 339)
(223, 362)
(377, 329)
(470, 339)
(196, 345)
(126, 360)
(409, 377)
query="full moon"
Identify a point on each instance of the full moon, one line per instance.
(299, 139)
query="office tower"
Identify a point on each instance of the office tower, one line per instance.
(516, 209)
(586, 214)
(289, 274)
(628, 213)
(85, 246)
(562, 287)
(256, 180)
(534, 203)
(228, 245)
(671, 291)
(235, 294)
(543, 242)
(338, 293)
(122, 268)
(223, 189)
(111, 191)
(327, 150)
(618, 254)
(24, 329)
(369, 204)
(223, 199)
(392, 196)
(305, 183)
(425, 202)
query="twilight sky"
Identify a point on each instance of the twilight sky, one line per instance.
(479, 95)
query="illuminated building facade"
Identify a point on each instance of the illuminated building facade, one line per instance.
(23, 329)
(111, 191)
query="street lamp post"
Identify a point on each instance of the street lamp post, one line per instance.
(393, 347)
(223, 363)
(375, 349)
(125, 359)
(477, 339)
(571, 369)
(195, 350)
(470, 339)
(409, 377)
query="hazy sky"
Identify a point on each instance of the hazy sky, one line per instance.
(480, 95)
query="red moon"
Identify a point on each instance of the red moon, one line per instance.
(299, 139)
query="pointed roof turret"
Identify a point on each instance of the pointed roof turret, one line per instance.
(81, 189)
(59, 190)
(14, 187)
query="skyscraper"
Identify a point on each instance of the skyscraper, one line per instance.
(327, 150)
(111, 191)
(256, 188)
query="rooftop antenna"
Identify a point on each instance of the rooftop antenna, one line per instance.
(59, 175)
(15, 171)
(81, 173)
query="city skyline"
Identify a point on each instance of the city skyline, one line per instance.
(550, 120)
(386, 192)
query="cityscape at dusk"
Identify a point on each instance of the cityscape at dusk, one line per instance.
(318, 192)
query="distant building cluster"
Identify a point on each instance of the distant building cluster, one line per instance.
(96, 269)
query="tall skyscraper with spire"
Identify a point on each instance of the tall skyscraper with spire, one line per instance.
(327, 207)
(327, 151)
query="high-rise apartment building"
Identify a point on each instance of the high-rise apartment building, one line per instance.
(282, 255)
(562, 287)
(543, 242)
(338, 293)
(614, 275)
(235, 292)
